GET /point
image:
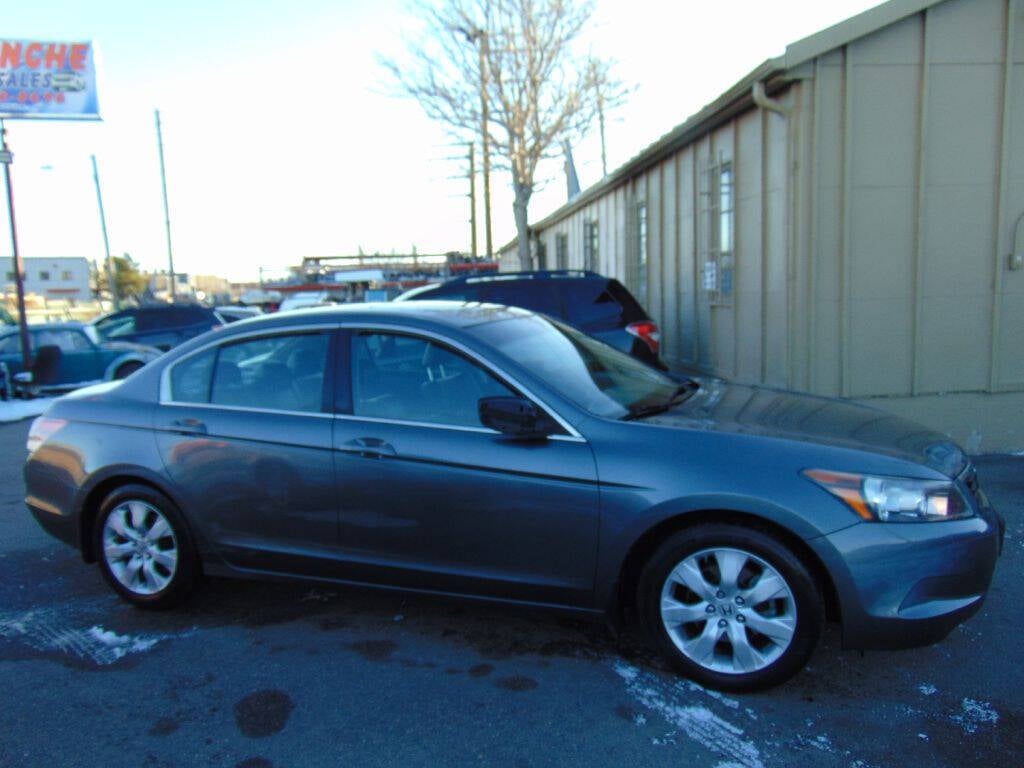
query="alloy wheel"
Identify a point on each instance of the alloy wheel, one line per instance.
(728, 610)
(139, 547)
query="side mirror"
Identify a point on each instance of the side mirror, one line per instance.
(515, 417)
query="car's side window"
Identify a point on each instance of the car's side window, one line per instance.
(67, 341)
(10, 344)
(120, 324)
(190, 379)
(284, 373)
(408, 378)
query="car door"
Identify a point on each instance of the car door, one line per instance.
(155, 326)
(244, 434)
(455, 506)
(80, 361)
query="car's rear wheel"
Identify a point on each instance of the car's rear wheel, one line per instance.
(144, 547)
(127, 370)
(732, 608)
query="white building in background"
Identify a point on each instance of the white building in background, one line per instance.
(61, 277)
(846, 220)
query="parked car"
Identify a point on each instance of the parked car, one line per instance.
(475, 449)
(83, 359)
(597, 305)
(162, 325)
(234, 313)
(305, 300)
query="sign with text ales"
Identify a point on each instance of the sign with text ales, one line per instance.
(49, 80)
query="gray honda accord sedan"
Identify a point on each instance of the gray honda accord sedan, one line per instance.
(485, 451)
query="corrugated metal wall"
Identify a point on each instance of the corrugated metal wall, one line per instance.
(872, 225)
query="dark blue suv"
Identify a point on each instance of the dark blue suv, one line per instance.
(599, 306)
(162, 326)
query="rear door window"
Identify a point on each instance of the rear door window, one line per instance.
(282, 373)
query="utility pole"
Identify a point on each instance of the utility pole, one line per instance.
(600, 122)
(482, 46)
(167, 215)
(472, 195)
(478, 37)
(106, 243)
(6, 158)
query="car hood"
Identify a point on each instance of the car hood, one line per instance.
(726, 407)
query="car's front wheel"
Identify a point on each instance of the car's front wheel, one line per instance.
(731, 607)
(144, 547)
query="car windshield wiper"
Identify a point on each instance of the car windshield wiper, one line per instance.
(679, 394)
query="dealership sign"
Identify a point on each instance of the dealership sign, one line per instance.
(50, 80)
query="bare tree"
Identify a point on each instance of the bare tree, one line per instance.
(509, 65)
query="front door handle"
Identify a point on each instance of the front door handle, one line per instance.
(370, 447)
(189, 426)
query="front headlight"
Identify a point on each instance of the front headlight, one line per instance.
(894, 499)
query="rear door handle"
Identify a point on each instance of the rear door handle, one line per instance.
(189, 426)
(370, 447)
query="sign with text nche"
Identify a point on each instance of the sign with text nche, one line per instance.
(48, 80)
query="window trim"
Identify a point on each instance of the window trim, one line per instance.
(165, 375)
(166, 397)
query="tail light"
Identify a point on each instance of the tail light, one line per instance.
(647, 331)
(43, 429)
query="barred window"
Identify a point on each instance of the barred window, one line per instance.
(641, 252)
(591, 238)
(718, 256)
(561, 251)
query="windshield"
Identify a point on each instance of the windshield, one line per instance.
(595, 376)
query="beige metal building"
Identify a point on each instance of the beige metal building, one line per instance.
(846, 220)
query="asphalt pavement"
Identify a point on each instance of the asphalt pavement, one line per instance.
(256, 675)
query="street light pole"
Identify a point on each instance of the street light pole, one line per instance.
(6, 158)
(106, 243)
(167, 215)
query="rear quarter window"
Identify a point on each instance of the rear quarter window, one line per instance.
(190, 379)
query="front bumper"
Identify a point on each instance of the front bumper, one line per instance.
(902, 585)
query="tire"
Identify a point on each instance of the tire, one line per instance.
(127, 370)
(144, 548)
(695, 601)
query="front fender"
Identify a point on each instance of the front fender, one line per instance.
(623, 530)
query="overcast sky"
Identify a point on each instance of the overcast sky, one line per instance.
(283, 138)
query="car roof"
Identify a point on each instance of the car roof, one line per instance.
(62, 326)
(453, 314)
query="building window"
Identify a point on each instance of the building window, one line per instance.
(719, 232)
(591, 237)
(44, 275)
(561, 251)
(66, 275)
(641, 252)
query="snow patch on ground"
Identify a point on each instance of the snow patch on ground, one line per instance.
(96, 644)
(974, 713)
(16, 410)
(698, 723)
(927, 689)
